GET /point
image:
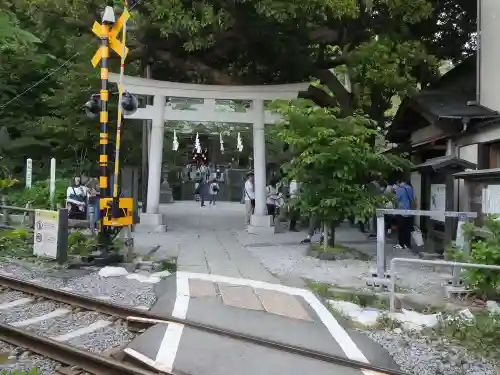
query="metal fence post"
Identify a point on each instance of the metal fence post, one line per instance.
(62, 236)
(460, 245)
(431, 263)
(381, 243)
(92, 219)
(5, 212)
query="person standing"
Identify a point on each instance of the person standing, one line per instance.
(214, 190)
(271, 198)
(293, 190)
(76, 199)
(204, 173)
(249, 193)
(405, 200)
(313, 225)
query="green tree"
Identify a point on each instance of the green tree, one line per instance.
(385, 48)
(333, 159)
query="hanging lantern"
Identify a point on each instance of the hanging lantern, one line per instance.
(197, 145)
(239, 144)
(221, 143)
(175, 142)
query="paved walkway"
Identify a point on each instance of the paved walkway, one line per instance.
(218, 282)
(211, 240)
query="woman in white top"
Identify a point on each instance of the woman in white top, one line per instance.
(214, 190)
(76, 199)
(249, 197)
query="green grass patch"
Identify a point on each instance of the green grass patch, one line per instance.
(338, 249)
(169, 265)
(34, 371)
(480, 335)
(322, 289)
(384, 321)
(328, 291)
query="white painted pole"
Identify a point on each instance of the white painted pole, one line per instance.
(52, 183)
(29, 173)
(156, 156)
(259, 152)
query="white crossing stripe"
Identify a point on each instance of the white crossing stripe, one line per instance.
(38, 319)
(17, 302)
(82, 331)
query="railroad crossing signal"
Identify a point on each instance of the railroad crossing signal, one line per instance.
(114, 43)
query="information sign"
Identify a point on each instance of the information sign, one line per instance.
(438, 200)
(46, 234)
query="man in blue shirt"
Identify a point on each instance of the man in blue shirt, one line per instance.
(404, 201)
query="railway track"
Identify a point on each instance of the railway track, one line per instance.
(66, 306)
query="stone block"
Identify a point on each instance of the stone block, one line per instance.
(240, 296)
(282, 304)
(201, 288)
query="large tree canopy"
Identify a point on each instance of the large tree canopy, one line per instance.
(386, 48)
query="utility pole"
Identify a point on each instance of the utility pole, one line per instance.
(115, 212)
(145, 148)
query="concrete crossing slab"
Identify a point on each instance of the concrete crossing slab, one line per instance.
(202, 353)
(219, 283)
(282, 317)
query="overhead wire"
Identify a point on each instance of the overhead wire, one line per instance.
(51, 73)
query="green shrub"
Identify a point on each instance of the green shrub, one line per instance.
(485, 283)
(486, 251)
(79, 244)
(16, 243)
(38, 195)
(480, 334)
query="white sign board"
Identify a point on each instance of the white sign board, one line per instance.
(29, 172)
(491, 200)
(438, 200)
(46, 233)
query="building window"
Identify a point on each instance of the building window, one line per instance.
(489, 155)
(494, 155)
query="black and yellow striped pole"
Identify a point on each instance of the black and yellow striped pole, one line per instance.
(116, 210)
(108, 32)
(104, 97)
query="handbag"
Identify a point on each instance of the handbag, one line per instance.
(76, 197)
(252, 201)
(417, 237)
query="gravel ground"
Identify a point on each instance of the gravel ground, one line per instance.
(102, 339)
(119, 289)
(45, 365)
(67, 323)
(27, 311)
(292, 261)
(11, 296)
(33, 273)
(423, 356)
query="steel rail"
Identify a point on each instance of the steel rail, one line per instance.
(67, 354)
(124, 312)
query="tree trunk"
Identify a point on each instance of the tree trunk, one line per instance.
(331, 237)
(326, 242)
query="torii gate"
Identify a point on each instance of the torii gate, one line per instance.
(159, 113)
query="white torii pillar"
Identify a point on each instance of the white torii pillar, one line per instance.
(153, 219)
(260, 221)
